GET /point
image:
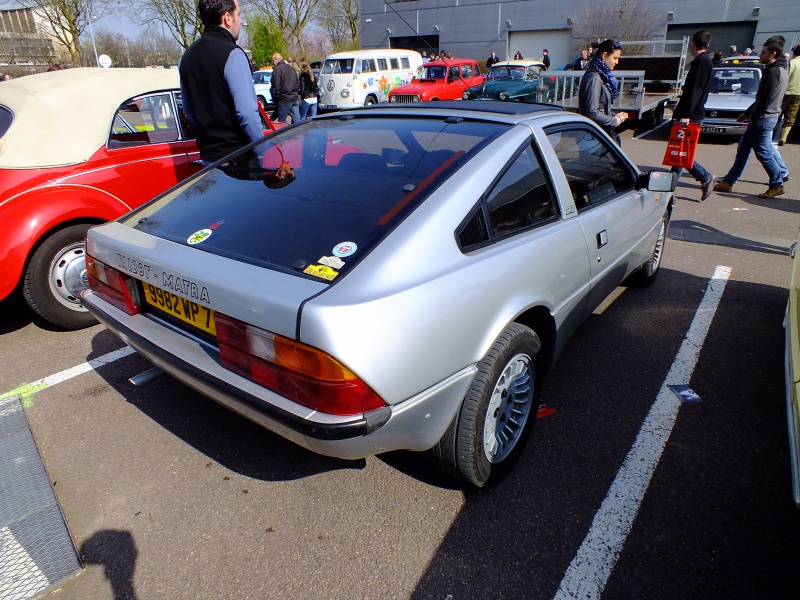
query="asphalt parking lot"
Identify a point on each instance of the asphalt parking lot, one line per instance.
(169, 495)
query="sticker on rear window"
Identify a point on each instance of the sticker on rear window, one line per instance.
(322, 271)
(345, 249)
(199, 236)
(331, 261)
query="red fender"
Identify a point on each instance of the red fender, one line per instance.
(29, 217)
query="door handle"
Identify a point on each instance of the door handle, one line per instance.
(197, 163)
(602, 238)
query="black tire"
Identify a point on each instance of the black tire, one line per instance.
(470, 450)
(261, 102)
(43, 285)
(649, 271)
(370, 101)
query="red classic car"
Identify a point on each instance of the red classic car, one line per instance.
(440, 80)
(77, 148)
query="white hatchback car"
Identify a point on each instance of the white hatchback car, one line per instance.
(262, 79)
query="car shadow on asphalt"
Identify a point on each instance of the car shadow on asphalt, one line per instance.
(516, 538)
(700, 233)
(15, 314)
(210, 428)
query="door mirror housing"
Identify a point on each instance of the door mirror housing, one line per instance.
(656, 181)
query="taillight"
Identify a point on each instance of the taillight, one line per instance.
(113, 286)
(296, 371)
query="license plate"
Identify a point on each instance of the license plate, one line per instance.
(328, 107)
(187, 311)
(710, 129)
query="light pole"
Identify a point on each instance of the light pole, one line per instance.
(91, 32)
(125, 35)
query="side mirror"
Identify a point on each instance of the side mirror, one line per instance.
(656, 181)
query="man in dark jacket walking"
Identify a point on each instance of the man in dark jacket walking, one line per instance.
(691, 106)
(285, 89)
(763, 115)
(216, 85)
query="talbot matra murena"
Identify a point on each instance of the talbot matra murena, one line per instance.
(397, 277)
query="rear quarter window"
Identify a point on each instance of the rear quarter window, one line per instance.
(6, 118)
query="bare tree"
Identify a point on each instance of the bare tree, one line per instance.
(617, 19)
(339, 19)
(181, 18)
(291, 16)
(66, 20)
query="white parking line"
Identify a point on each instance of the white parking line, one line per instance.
(66, 374)
(588, 573)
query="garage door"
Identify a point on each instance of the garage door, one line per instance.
(531, 43)
(723, 35)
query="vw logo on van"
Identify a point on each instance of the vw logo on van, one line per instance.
(331, 85)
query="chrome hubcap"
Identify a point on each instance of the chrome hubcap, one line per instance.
(67, 276)
(508, 409)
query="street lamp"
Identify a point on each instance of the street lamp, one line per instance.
(91, 32)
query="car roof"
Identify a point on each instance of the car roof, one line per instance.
(492, 110)
(450, 62)
(733, 67)
(63, 117)
(372, 53)
(519, 63)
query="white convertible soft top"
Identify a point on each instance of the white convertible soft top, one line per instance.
(63, 117)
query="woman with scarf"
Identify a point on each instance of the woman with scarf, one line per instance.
(599, 88)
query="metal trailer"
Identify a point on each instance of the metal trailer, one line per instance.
(647, 82)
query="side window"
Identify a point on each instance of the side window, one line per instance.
(381, 64)
(452, 74)
(367, 65)
(188, 130)
(521, 198)
(466, 71)
(595, 173)
(404, 62)
(144, 120)
(394, 63)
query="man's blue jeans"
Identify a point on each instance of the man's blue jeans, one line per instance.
(291, 109)
(758, 138)
(697, 171)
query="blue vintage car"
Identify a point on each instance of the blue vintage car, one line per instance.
(510, 80)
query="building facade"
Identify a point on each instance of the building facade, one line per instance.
(473, 28)
(22, 40)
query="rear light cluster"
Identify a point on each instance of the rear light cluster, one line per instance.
(296, 371)
(113, 286)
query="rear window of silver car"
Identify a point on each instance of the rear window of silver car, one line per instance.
(328, 189)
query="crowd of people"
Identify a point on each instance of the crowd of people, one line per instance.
(219, 98)
(777, 101)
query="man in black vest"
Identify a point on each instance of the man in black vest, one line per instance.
(216, 85)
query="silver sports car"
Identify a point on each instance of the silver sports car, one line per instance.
(731, 92)
(398, 277)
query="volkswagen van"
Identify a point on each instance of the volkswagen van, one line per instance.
(365, 77)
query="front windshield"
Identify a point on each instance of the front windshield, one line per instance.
(337, 66)
(303, 190)
(505, 72)
(434, 72)
(732, 80)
